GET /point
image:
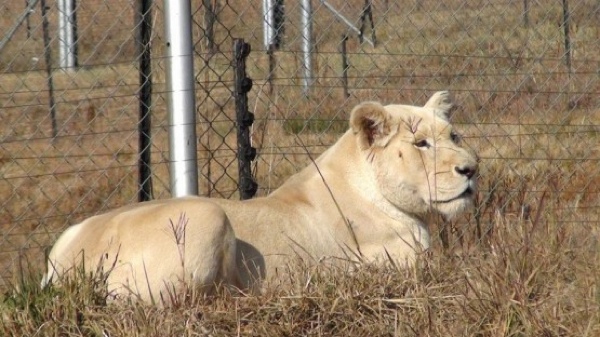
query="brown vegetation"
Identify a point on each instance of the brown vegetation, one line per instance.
(524, 264)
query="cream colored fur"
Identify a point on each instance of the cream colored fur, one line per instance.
(152, 250)
(364, 199)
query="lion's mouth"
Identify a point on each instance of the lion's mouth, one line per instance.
(466, 194)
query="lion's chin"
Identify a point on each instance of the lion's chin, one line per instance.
(467, 193)
(456, 206)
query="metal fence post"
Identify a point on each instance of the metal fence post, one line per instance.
(273, 28)
(306, 14)
(526, 13)
(566, 23)
(367, 13)
(67, 34)
(143, 21)
(345, 65)
(246, 153)
(183, 168)
(210, 16)
(48, 59)
(268, 25)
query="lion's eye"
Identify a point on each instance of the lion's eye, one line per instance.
(455, 137)
(421, 143)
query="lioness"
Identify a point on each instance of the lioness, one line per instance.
(364, 199)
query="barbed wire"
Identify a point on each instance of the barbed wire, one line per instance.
(592, 129)
(279, 152)
(227, 83)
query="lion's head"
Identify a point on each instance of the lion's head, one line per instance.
(418, 161)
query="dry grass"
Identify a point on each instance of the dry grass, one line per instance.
(532, 278)
(524, 264)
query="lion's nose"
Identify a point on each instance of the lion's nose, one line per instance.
(468, 171)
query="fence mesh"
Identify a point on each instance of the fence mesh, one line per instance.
(525, 76)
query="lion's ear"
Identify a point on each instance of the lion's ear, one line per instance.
(441, 102)
(372, 123)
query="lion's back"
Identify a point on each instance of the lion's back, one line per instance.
(149, 246)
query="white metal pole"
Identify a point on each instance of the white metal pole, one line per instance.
(181, 105)
(306, 13)
(268, 23)
(66, 35)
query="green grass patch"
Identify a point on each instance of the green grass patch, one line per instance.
(315, 126)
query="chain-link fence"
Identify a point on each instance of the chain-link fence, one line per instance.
(525, 76)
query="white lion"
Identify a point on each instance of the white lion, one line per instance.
(364, 199)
